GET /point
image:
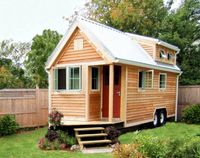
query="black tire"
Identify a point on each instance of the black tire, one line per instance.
(162, 117)
(156, 119)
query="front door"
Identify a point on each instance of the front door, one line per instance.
(116, 91)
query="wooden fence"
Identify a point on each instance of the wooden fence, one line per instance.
(187, 96)
(30, 106)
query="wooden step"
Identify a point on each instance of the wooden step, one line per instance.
(89, 129)
(91, 135)
(95, 142)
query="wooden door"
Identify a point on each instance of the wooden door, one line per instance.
(116, 91)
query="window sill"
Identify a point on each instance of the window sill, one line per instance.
(67, 92)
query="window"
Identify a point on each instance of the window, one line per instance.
(162, 84)
(170, 57)
(78, 44)
(146, 79)
(95, 78)
(74, 78)
(70, 75)
(60, 79)
(163, 54)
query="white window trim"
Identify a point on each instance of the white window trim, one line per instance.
(67, 79)
(94, 90)
(162, 89)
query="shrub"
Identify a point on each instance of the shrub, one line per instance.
(192, 114)
(64, 138)
(51, 135)
(113, 134)
(127, 151)
(8, 125)
(55, 118)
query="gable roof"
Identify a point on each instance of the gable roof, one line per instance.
(116, 45)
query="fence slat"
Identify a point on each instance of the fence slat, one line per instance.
(187, 96)
(30, 106)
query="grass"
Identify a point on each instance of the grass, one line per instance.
(169, 131)
(25, 145)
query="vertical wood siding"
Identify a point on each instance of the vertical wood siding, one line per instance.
(87, 54)
(141, 103)
(30, 106)
(94, 106)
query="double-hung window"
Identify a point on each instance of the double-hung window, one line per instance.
(67, 78)
(145, 79)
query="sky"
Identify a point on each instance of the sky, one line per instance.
(21, 20)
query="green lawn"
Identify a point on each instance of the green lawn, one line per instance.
(25, 145)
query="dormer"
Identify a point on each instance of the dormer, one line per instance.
(159, 50)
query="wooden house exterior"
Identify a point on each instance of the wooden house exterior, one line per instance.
(101, 75)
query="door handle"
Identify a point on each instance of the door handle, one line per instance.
(119, 93)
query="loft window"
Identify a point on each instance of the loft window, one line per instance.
(163, 78)
(78, 44)
(60, 79)
(170, 56)
(146, 79)
(163, 54)
(74, 79)
(95, 78)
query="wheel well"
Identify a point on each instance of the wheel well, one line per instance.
(161, 109)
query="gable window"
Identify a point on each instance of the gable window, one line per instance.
(163, 54)
(146, 79)
(74, 78)
(60, 79)
(78, 44)
(95, 78)
(170, 57)
(162, 84)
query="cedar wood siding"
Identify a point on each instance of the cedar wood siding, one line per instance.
(73, 104)
(149, 48)
(142, 103)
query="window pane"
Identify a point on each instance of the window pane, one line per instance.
(76, 72)
(141, 79)
(76, 84)
(74, 78)
(162, 81)
(61, 79)
(95, 78)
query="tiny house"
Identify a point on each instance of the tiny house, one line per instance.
(100, 75)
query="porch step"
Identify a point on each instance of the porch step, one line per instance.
(89, 129)
(91, 135)
(96, 142)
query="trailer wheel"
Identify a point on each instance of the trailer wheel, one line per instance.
(162, 118)
(156, 119)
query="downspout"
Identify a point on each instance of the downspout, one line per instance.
(177, 85)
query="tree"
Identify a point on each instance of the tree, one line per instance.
(152, 18)
(137, 16)
(41, 48)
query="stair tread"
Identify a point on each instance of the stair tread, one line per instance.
(88, 129)
(91, 135)
(95, 141)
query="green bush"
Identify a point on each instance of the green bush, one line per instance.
(65, 138)
(8, 125)
(192, 114)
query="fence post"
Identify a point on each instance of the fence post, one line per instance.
(37, 91)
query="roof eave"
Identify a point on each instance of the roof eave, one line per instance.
(156, 67)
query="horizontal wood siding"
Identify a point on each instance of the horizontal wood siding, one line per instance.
(158, 49)
(94, 106)
(87, 54)
(71, 105)
(142, 103)
(149, 48)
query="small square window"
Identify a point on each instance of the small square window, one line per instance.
(78, 44)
